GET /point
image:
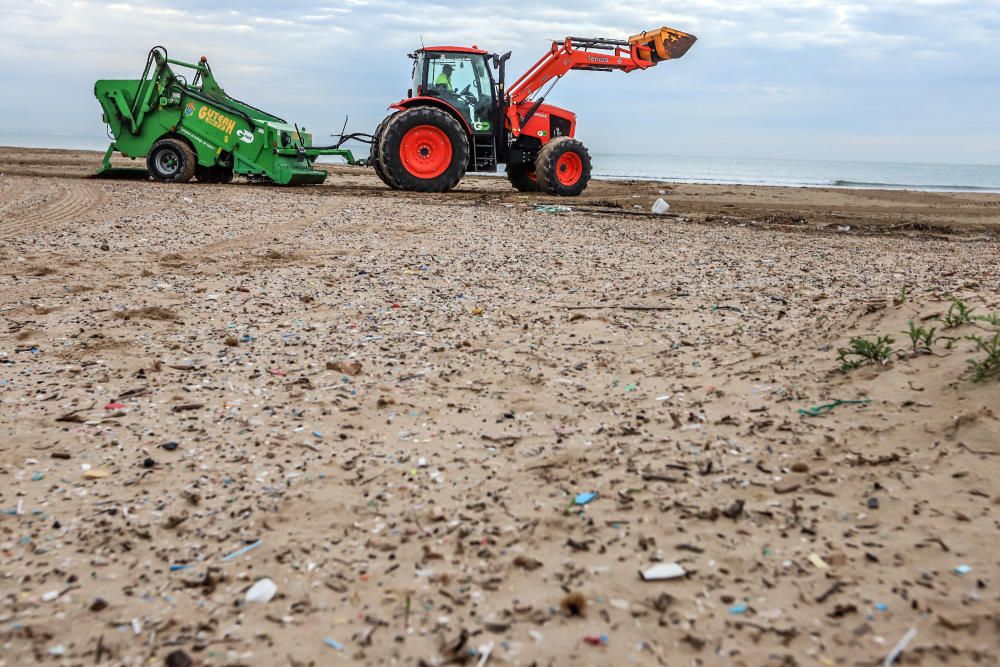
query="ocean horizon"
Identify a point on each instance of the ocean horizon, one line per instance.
(915, 176)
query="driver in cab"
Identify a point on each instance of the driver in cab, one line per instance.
(443, 79)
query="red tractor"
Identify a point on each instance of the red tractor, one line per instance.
(463, 118)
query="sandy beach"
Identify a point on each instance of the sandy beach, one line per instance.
(454, 429)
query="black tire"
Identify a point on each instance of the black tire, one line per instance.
(373, 155)
(171, 161)
(551, 167)
(214, 174)
(405, 174)
(521, 176)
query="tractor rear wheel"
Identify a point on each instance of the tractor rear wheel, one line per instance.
(424, 149)
(522, 177)
(563, 167)
(374, 154)
(171, 161)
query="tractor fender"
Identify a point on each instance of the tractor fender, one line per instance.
(422, 101)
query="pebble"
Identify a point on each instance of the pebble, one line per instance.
(788, 484)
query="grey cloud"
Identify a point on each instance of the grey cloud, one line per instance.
(764, 76)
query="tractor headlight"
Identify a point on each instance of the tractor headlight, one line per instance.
(285, 139)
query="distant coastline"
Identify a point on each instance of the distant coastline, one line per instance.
(920, 177)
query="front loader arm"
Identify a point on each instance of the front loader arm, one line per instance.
(641, 51)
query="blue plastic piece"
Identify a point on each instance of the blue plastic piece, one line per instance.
(240, 552)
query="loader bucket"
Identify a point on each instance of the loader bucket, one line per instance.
(663, 43)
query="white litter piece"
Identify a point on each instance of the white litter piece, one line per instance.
(484, 654)
(663, 571)
(262, 591)
(898, 649)
(660, 206)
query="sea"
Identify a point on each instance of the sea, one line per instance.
(927, 177)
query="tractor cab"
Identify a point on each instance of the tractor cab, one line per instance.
(462, 78)
(460, 115)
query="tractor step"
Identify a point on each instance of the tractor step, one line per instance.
(484, 153)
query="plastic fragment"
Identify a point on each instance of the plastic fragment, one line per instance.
(900, 646)
(819, 410)
(240, 552)
(584, 498)
(333, 643)
(662, 571)
(818, 562)
(484, 654)
(262, 591)
(660, 206)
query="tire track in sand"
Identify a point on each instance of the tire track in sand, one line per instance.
(268, 233)
(72, 199)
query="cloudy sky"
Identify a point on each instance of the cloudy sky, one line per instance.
(894, 80)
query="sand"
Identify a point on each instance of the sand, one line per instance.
(388, 405)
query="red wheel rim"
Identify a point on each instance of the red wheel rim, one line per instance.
(569, 168)
(425, 151)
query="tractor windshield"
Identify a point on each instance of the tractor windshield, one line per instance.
(462, 80)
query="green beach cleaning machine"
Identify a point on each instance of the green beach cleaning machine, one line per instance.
(194, 129)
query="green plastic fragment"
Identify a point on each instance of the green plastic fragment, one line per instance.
(820, 410)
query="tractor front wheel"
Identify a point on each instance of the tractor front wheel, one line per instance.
(424, 149)
(374, 156)
(522, 177)
(563, 167)
(171, 161)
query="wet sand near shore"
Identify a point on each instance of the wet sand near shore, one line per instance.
(454, 429)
